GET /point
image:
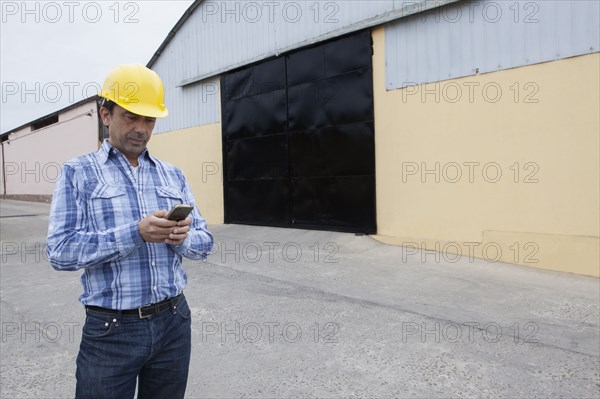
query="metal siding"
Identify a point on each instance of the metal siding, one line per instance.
(189, 106)
(208, 44)
(421, 49)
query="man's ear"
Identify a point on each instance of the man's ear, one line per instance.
(105, 115)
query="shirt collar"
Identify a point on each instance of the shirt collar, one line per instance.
(106, 149)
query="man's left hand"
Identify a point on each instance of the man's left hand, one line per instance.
(179, 233)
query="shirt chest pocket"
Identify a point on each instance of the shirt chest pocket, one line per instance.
(109, 207)
(168, 197)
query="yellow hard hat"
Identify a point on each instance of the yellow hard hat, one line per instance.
(137, 89)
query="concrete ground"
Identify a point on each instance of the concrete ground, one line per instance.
(284, 313)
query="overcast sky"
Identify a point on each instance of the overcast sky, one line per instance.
(54, 53)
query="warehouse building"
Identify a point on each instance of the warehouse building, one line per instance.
(32, 155)
(468, 128)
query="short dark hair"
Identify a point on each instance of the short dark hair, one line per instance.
(109, 105)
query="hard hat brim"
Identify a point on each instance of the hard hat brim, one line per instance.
(145, 110)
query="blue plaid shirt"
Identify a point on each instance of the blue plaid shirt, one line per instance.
(96, 207)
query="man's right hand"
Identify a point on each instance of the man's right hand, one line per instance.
(155, 227)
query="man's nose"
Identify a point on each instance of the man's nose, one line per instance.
(141, 126)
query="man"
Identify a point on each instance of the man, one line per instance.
(108, 217)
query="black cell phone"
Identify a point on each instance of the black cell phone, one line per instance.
(179, 212)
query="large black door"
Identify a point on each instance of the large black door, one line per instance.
(298, 139)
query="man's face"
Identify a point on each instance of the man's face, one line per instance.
(128, 132)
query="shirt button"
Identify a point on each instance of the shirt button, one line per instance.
(140, 192)
(153, 263)
(155, 288)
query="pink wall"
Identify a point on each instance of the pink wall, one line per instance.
(2, 191)
(33, 160)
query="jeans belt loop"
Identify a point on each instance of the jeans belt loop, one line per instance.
(173, 302)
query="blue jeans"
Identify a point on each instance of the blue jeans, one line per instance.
(116, 351)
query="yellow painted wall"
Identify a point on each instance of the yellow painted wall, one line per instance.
(541, 133)
(197, 152)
